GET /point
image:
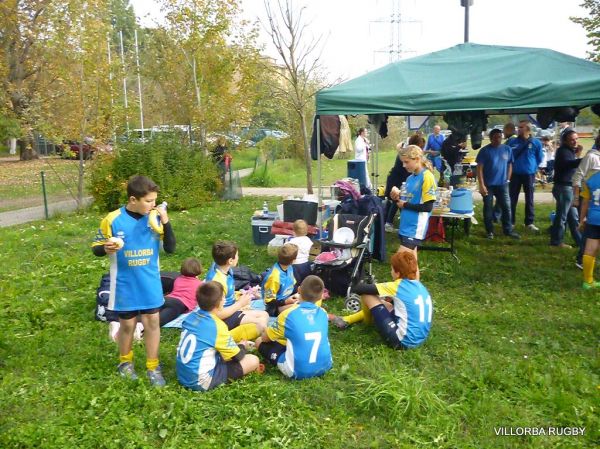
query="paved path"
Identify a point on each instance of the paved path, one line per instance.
(21, 216)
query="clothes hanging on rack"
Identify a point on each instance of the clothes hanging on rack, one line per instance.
(330, 136)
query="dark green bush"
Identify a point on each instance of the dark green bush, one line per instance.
(185, 176)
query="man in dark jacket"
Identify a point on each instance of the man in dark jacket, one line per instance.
(565, 163)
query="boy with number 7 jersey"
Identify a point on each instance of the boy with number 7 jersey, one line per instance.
(405, 322)
(298, 342)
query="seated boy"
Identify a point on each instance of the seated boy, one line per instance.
(279, 281)
(244, 324)
(405, 322)
(207, 355)
(298, 341)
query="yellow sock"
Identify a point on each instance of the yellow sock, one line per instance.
(354, 318)
(588, 268)
(367, 313)
(247, 331)
(126, 357)
(151, 364)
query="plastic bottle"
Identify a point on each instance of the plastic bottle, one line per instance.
(265, 209)
(403, 192)
(162, 205)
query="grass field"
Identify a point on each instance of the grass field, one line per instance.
(514, 343)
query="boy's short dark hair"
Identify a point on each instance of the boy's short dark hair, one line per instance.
(495, 131)
(223, 250)
(312, 288)
(191, 267)
(405, 264)
(209, 295)
(139, 186)
(287, 254)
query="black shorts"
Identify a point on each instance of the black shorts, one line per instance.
(592, 231)
(133, 313)
(234, 320)
(271, 351)
(410, 242)
(386, 326)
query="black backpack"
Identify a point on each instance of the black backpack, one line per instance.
(102, 293)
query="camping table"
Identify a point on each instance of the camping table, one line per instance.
(454, 220)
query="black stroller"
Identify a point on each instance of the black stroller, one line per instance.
(345, 271)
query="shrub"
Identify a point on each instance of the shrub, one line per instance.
(261, 177)
(273, 148)
(185, 176)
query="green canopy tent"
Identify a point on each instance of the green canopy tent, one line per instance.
(467, 77)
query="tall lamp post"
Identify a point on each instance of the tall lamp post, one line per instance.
(466, 4)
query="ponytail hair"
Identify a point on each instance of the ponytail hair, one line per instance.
(414, 152)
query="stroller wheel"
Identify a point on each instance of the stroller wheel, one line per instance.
(353, 302)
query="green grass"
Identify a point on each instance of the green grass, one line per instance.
(513, 343)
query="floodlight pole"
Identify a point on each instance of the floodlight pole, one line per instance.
(465, 4)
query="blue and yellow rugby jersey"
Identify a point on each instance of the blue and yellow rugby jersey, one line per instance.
(420, 188)
(134, 269)
(278, 284)
(225, 279)
(413, 309)
(591, 192)
(303, 329)
(204, 346)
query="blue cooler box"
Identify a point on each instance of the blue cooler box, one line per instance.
(356, 170)
(261, 228)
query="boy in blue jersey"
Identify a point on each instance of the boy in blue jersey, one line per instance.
(244, 324)
(298, 341)
(278, 284)
(405, 322)
(207, 355)
(132, 244)
(590, 220)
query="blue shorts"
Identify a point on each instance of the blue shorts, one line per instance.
(234, 320)
(592, 231)
(133, 313)
(410, 242)
(271, 351)
(386, 326)
(224, 371)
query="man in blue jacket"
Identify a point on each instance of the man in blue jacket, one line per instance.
(527, 155)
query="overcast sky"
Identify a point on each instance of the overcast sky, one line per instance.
(359, 34)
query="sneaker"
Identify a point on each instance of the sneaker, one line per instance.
(127, 371)
(113, 330)
(533, 228)
(337, 321)
(579, 264)
(587, 286)
(562, 245)
(156, 378)
(138, 333)
(514, 235)
(389, 227)
(490, 236)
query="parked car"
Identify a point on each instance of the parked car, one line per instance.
(70, 149)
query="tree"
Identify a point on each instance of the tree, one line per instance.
(592, 25)
(299, 75)
(202, 65)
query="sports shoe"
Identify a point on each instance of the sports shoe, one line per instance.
(533, 228)
(514, 235)
(337, 321)
(389, 227)
(113, 330)
(138, 333)
(490, 236)
(127, 371)
(156, 378)
(587, 286)
(579, 265)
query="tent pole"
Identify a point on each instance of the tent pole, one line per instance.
(372, 132)
(319, 194)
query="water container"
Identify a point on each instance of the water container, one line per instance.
(461, 201)
(357, 170)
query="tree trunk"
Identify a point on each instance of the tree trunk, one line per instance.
(309, 182)
(26, 151)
